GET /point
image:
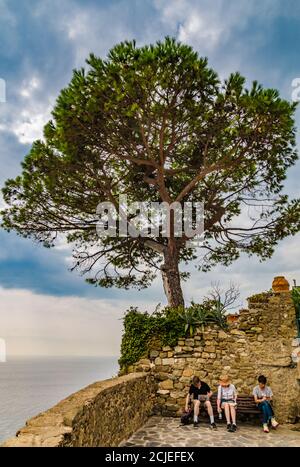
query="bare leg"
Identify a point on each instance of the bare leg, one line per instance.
(233, 414)
(196, 409)
(209, 408)
(227, 412)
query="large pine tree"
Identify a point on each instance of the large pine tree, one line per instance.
(155, 123)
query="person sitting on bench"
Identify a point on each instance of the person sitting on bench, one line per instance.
(227, 397)
(263, 395)
(200, 392)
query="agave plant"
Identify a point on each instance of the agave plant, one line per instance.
(200, 313)
(188, 316)
(218, 314)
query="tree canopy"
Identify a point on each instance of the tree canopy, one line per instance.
(155, 123)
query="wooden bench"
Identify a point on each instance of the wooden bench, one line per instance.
(246, 408)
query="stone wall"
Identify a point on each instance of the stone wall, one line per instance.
(103, 414)
(260, 341)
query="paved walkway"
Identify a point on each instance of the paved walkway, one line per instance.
(159, 431)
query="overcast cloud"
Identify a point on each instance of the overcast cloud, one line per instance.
(45, 309)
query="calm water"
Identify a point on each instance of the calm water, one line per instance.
(29, 386)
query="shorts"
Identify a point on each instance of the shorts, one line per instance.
(201, 401)
(229, 401)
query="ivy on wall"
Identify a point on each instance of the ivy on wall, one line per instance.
(168, 325)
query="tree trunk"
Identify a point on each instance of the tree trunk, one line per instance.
(171, 279)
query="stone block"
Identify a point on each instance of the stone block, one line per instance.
(162, 376)
(171, 406)
(256, 329)
(163, 354)
(201, 374)
(189, 342)
(168, 361)
(167, 384)
(179, 386)
(163, 392)
(236, 332)
(144, 361)
(209, 348)
(177, 394)
(185, 379)
(222, 335)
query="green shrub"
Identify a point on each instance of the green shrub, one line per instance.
(296, 296)
(261, 297)
(296, 300)
(168, 325)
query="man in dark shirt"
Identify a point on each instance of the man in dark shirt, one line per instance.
(200, 392)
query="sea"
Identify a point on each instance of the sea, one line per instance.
(29, 385)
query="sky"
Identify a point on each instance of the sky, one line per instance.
(44, 308)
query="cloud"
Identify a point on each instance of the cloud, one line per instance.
(45, 308)
(27, 265)
(27, 110)
(232, 34)
(36, 324)
(251, 275)
(28, 87)
(33, 324)
(95, 26)
(8, 27)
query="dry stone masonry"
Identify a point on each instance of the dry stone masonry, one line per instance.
(103, 414)
(261, 340)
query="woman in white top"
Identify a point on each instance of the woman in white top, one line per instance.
(227, 397)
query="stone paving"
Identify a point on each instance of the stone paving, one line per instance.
(168, 432)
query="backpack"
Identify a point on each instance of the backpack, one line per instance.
(186, 417)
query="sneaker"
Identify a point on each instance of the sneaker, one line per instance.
(233, 427)
(213, 426)
(265, 428)
(274, 423)
(229, 427)
(196, 424)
